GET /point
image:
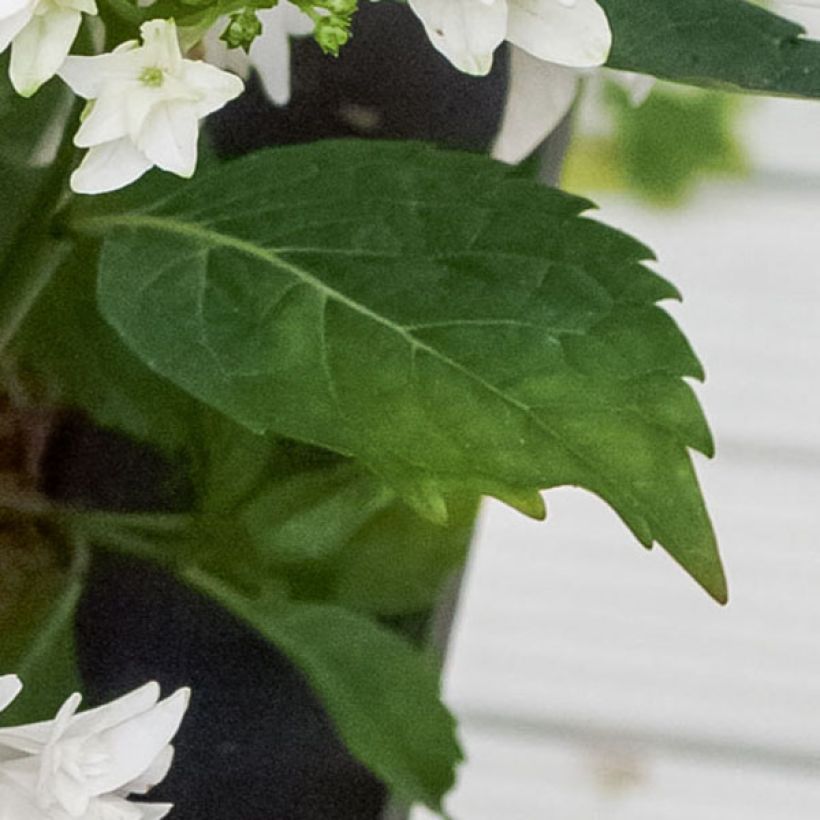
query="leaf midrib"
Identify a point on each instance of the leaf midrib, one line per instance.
(100, 224)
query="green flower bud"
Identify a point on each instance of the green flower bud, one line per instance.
(243, 28)
(339, 8)
(332, 33)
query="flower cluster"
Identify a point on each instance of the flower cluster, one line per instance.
(573, 33)
(84, 766)
(146, 98)
(146, 103)
(41, 33)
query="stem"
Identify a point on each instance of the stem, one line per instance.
(63, 611)
(159, 523)
(36, 252)
(140, 535)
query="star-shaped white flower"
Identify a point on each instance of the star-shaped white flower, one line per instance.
(147, 103)
(41, 33)
(85, 765)
(567, 32)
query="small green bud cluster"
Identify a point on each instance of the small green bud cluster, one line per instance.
(333, 19)
(242, 29)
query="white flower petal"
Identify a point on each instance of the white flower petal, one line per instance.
(12, 7)
(65, 715)
(69, 793)
(137, 103)
(132, 747)
(41, 47)
(86, 6)
(154, 811)
(169, 138)
(112, 808)
(105, 122)
(10, 688)
(109, 167)
(572, 33)
(30, 742)
(23, 773)
(85, 76)
(13, 22)
(13, 742)
(32, 738)
(466, 32)
(540, 95)
(153, 775)
(118, 711)
(160, 45)
(270, 53)
(17, 805)
(213, 86)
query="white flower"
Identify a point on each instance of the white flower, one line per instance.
(148, 101)
(85, 765)
(41, 33)
(567, 32)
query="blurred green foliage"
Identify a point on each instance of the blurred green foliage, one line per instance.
(660, 150)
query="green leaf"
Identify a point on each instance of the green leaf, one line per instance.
(397, 563)
(726, 43)
(38, 599)
(382, 694)
(66, 343)
(312, 515)
(673, 139)
(27, 126)
(33, 162)
(457, 329)
(660, 150)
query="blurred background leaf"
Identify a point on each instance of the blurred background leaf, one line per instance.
(659, 151)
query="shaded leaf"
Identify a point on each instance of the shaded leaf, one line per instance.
(29, 130)
(723, 43)
(66, 343)
(38, 599)
(310, 516)
(382, 694)
(397, 563)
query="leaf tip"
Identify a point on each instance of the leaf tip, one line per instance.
(528, 502)
(427, 500)
(716, 586)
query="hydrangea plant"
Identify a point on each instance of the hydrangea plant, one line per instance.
(342, 346)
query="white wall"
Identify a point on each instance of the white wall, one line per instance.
(595, 681)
